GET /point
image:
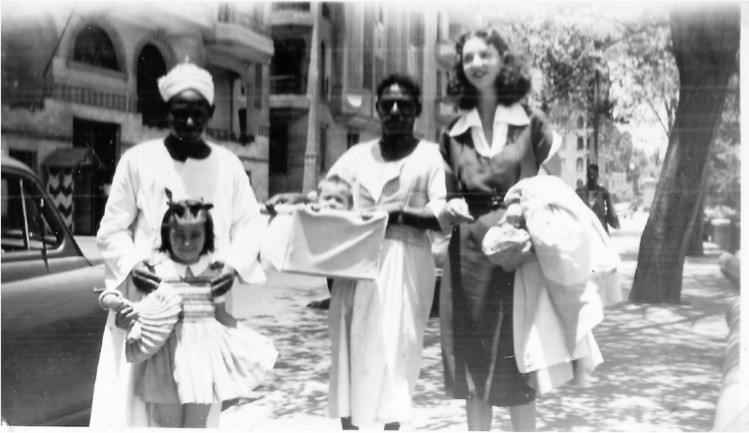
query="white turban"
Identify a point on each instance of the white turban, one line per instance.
(186, 76)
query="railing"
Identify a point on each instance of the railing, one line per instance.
(81, 95)
(228, 14)
(226, 135)
(291, 6)
(287, 85)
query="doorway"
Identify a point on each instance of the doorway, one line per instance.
(92, 182)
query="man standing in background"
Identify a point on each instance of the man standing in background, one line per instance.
(598, 199)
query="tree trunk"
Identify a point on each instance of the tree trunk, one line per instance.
(696, 238)
(705, 44)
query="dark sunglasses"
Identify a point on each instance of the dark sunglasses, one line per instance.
(185, 113)
(403, 106)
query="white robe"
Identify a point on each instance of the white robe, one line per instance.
(377, 327)
(130, 231)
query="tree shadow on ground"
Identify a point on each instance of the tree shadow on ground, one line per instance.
(661, 371)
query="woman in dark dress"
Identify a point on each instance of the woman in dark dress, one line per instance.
(496, 142)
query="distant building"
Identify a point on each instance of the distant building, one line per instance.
(576, 154)
(329, 58)
(79, 87)
(616, 183)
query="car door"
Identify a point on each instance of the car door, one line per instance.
(52, 324)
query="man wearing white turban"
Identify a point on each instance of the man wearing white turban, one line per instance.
(190, 167)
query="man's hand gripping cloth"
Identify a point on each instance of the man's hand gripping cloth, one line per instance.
(559, 298)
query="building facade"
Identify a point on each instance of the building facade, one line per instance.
(295, 84)
(79, 88)
(329, 58)
(576, 153)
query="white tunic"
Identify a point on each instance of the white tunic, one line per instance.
(377, 327)
(130, 231)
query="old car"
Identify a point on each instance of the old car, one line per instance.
(52, 323)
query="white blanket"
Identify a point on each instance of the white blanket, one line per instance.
(559, 298)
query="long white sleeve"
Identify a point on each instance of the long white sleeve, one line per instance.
(115, 235)
(246, 232)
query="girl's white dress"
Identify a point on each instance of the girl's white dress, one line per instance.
(129, 232)
(204, 361)
(377, 327)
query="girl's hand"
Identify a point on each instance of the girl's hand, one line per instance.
(126, 318)
(144, 278)
(456, 212)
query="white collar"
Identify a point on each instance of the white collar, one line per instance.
(196, 268)
(513, 115)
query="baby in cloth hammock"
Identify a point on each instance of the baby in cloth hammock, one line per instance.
(332, 193)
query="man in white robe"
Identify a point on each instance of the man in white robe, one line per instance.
(130, 229)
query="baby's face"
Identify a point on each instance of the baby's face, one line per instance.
(188, 240)
(334, 196)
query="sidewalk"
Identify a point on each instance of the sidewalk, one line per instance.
(661, 371)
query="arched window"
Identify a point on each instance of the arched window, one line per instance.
(94, 47)
(580, 165)
(580, 143)
(151, 67)
(580, 122)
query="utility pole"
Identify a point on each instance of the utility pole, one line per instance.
(596, 110)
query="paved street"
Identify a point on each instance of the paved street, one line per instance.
(661, 371)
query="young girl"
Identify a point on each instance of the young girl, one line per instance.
(209, 357)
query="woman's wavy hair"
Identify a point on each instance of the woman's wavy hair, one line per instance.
(513, 82)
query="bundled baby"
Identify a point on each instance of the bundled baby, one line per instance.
(508, 244)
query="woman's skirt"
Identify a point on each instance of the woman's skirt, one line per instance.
(205, 361)
(476, 322)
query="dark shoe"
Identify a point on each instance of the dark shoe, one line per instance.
(320, 305)
(346, 424)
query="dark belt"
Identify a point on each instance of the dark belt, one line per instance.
(485, 201)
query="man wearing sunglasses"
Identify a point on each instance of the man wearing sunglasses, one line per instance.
(189, 167)
(377, 327)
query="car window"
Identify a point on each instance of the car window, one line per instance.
(27, 220)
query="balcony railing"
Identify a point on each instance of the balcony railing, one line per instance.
(291, 6)
(228, 14)
(226, 135)
(120, 101)
(287, 85)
